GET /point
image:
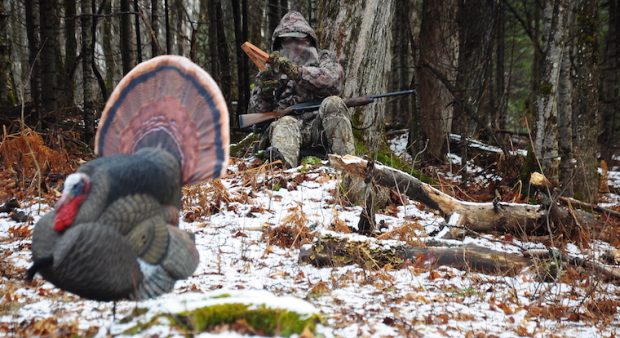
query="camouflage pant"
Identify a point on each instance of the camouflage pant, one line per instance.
(331, 129)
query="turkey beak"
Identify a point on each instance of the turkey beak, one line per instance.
(63, 199)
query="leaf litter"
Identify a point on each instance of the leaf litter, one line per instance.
(249, 228)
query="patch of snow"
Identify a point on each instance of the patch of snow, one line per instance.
(237, 258)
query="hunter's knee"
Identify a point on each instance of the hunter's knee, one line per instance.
(333, 105)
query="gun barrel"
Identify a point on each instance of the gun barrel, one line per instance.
(398, 93)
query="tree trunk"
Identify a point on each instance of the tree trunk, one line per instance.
(49, 54)
(283, 7)
(359, 33)
(565, 126)
(438, 48)
(108, 50)
(168, 32)
(483, 217)
(87, 72)
(246, 65)
(155, 27)
(329, 250)
(214, 65)
(136, 9)
(398, 112)
(273, 17)
(546, 142)
(499, 113)
(127, 55)
(242, 93)
(32, 31)
(585, 103)
(70, 52)
(180, 15)
(7, 95)
(224, 57)
(610, 78)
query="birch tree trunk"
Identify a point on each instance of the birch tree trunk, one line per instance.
(359, 32)
(439, 50)
(586, 101)
(546, 143)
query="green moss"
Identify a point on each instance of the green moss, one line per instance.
(260, 319)
(385, 156)
(311, 160)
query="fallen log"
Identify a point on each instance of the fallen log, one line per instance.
(332, 249)
(515, 218)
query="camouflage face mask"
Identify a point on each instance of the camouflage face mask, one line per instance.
(300, 54)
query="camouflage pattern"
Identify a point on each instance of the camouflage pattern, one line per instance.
(303, 73)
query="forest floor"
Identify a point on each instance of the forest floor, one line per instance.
(249, 228)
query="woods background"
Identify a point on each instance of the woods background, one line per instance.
(546, 70)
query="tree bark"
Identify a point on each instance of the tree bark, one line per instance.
(273, 17)
(224, 57)
(180, 15)
(239, 40)
(565, 127)
(136, 9)
(32, 31)
(49, 54)
(586, 101)
(155, 26)
(610, 77)
(87, 72)
(359, 32)
(438, 48)
(246, 65)
(7, 95)
(214, 65)
(168, 32)
(108, 50)
(70, 52)
(127, 53)
(546, 142)
(499, 112)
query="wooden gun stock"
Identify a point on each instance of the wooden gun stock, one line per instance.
(248, 120)
(258, 56)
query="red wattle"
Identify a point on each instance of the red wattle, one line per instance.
(65, 214)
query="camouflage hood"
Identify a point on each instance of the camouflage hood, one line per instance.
(292, 22)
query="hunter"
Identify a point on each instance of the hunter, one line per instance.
(300, 72)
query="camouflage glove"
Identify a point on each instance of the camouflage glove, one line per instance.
(283, 65)
(268, 84)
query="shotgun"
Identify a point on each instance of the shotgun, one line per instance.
(248, 120)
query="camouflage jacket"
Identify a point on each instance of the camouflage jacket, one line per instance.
(320, 73)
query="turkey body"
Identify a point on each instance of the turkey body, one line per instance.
(120, 245)
(114, 233)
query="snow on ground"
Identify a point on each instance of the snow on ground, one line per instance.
(236, 256)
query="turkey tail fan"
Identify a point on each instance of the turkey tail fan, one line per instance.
(171, 103)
